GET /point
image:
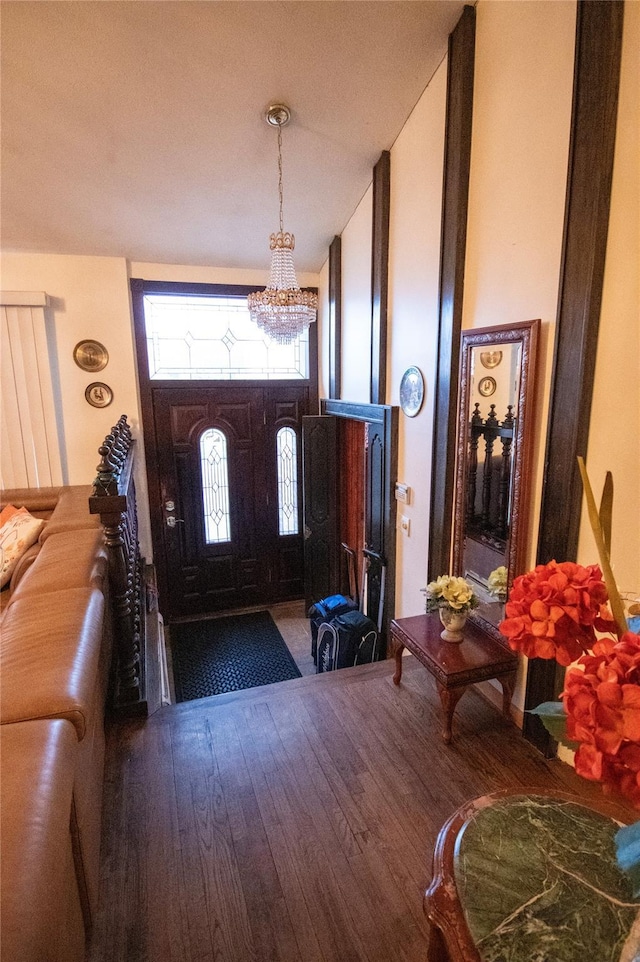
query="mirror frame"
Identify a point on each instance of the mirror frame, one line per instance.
(526, 334)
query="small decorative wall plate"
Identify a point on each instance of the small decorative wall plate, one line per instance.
(99, 395)
(411, 391)
(90, 355)
(490, 359)
(487, 386)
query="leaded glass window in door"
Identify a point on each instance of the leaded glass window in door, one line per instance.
(287, 462)
(214, 464)
(193, 337)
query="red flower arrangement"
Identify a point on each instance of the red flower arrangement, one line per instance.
(555, 610)
(602, 703)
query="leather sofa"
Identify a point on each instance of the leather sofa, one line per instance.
(55, 658)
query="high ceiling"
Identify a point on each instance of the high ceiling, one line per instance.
(135, 128)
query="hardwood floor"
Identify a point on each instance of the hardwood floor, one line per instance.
(294, 822)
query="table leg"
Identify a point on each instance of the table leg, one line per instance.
(508, 683)
(399, 648)
(449, 698)
(437, 951)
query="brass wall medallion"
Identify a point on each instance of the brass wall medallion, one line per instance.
(490, 359)
(487, 386)
(99, 395)
(90, 355)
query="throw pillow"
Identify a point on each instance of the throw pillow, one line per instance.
(8, 512)
(16, 536)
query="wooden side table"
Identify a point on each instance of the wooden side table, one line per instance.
(454, 665)
(531, 876)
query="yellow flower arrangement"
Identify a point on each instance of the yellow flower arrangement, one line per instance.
(448, 591)
(498, 582)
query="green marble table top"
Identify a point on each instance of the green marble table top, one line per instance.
(538, 882)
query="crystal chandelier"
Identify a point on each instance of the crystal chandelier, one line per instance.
(283, 311)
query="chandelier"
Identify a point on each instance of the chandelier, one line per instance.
(283, 311)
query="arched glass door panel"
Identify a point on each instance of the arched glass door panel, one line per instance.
(214, 463)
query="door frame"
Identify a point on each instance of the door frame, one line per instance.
(387, 416)
(139, 288)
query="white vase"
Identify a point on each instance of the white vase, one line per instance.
(454, 622)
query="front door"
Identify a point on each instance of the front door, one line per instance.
(229, 471)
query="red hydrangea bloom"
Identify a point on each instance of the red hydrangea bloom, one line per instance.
(555, 610)
(602, 701)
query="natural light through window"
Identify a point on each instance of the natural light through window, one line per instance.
(213, 338)
(215, 486)
(287, 441)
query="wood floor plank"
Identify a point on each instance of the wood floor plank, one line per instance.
(264, 896)
(303, 796)
(331, 923)
(167, 920)
(295, 823)
(219, 927)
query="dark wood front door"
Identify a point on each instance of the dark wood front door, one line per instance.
(221, 495)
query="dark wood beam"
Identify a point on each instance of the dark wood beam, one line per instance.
(380, 277)
(460, 73)
(335, 317)
(591, 151)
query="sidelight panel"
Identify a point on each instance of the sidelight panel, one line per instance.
(287, 466)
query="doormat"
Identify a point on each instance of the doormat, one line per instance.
(217, 655)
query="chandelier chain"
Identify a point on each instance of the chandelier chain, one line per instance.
(280, 190)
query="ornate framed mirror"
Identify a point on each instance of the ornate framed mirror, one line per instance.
(495, 432)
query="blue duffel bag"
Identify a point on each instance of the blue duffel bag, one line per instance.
(325, 611)
(348, 639)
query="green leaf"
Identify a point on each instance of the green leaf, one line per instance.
(554, 718)
(628, 854)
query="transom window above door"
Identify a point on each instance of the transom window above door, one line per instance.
(198, 337)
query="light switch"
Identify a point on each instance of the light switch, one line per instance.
(403, 492)
(405, 525)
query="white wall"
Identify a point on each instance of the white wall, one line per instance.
(414, 267)
(356, 303)
(211, 275)
(519, 156)
(89, 299)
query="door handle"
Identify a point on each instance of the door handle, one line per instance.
(172, 522)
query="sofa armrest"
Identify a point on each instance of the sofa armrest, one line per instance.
(40, 902)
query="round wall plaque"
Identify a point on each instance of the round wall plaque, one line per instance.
(99, 395)
(487, 386)
(411, 391)
(490, 359)
(90, 355)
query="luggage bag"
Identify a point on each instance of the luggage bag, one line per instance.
(351, 637)
(334, 605)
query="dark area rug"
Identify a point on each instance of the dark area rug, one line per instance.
(227, 654)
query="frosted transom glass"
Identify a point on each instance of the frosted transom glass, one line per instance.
(286, 442)
(215, 486)
(213, 338)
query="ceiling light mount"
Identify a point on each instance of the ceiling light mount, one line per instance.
(277, 115)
